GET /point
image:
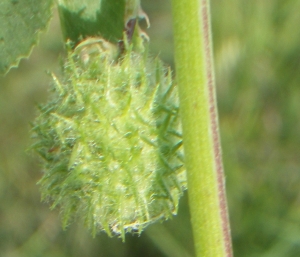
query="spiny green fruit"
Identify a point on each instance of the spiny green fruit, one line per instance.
(111, 141)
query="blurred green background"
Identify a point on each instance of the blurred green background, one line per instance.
(257, 61)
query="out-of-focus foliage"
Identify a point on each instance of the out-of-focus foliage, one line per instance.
(257, 60)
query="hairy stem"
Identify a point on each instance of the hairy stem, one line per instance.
(194, 67)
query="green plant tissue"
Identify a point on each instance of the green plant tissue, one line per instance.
(110, 138)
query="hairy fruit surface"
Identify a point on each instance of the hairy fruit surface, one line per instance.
(111, 142)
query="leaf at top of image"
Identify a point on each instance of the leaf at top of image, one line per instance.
(83, 19)
(21, 21)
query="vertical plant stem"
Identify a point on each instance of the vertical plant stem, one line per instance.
(195, 76)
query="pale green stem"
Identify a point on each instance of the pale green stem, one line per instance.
(195, 77)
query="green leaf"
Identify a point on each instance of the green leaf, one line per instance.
(21, 21)
(82, 19)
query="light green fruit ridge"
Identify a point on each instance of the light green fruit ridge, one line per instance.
(111, 141)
